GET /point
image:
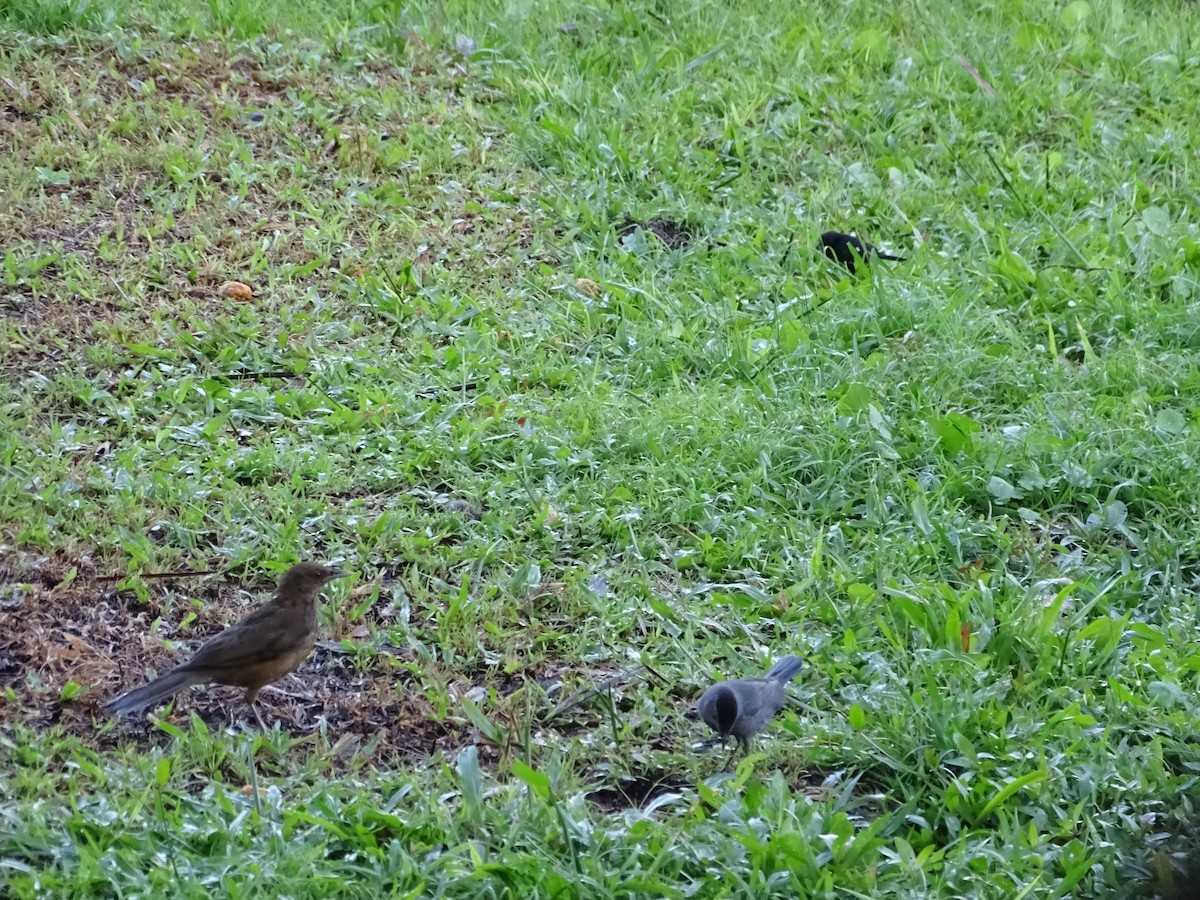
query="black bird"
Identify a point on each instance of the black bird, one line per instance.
(847, 249)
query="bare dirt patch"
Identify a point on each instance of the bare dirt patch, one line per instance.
(637, 792)
(674, 234)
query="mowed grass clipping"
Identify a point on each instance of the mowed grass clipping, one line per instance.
(541, 353)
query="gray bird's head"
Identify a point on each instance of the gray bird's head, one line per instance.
(306, 578)
(720, 713)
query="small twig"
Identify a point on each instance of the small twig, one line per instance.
(1077, 268)
(657, 674)
(257, 375)
(770, 358)
(594, 690)
(431, 393)
(762, 367)
(1008, 183)
(334, 400)
(787, 254)
(974, 73)
(186, 573)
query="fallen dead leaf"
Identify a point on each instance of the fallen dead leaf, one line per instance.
(587, 286)
(364, 589)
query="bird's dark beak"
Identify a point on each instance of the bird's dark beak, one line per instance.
(692, 713)
(332, 572)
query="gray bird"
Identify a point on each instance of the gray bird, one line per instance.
(743, 706)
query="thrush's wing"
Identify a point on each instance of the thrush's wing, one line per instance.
(267, 633)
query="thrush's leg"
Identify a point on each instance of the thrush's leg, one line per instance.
(252, 699)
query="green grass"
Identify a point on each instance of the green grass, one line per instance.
(963, 488)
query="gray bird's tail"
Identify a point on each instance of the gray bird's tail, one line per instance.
(785, 669)
(158, 689)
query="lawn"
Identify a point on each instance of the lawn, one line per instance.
(541, 352)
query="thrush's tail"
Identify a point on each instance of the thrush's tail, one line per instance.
(883, 255)
(785, 669)
(158, 689)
